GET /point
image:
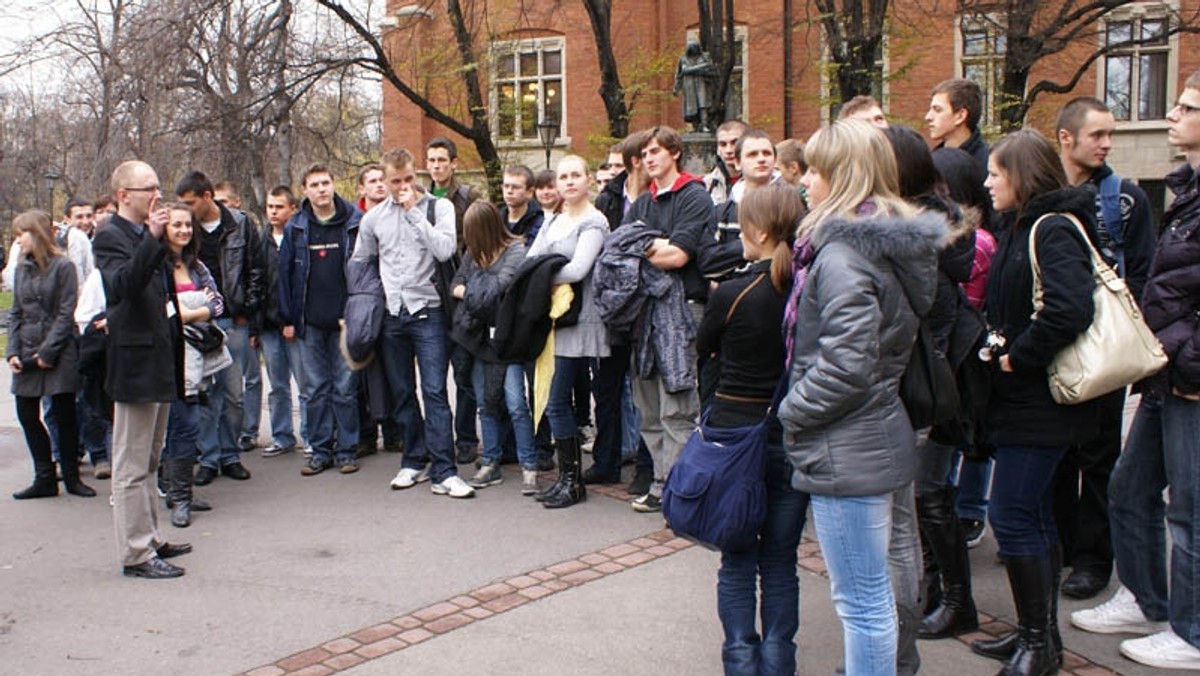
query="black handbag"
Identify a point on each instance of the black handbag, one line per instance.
(204, 336)
(928, 387)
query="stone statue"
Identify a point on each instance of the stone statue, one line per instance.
(694, 77)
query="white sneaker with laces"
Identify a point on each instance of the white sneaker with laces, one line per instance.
(408, 477)
(1164, 650)
(453, 486)
(1118, 615)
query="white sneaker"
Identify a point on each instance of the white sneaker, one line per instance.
(408, 477)
(1118, 615)
(453, 486)
(1164, 650)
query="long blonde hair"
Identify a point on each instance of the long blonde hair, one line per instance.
(857, 161)
(39, 224)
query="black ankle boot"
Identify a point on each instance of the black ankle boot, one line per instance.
(42, 487)
(956, 614)
(570, 457)
(1031, 580)
(1000, 648)
(177, 473)
(71, 480)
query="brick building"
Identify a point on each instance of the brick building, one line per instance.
(540, 62)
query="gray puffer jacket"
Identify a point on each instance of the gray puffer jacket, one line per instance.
(845, 429)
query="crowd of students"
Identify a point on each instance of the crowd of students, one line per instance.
(802, 268)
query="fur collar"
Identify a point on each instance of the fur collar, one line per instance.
(886, 237)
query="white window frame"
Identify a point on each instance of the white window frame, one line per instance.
(993, 26)
(508, 48)
(1135, 14)
(740, 35)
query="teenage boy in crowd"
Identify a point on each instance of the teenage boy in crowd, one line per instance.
(955, 108)
(1125, 225)
(677, 205)
(281, 355)
(722, 178)
(409, 247)
(316, 245)
(522, 213)
(229, 249)
(441, 161)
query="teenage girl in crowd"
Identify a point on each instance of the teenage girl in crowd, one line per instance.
(43, 354)
(741, 333)
(1028, 429)
(867, 269)
(492, 259)
(577, 231)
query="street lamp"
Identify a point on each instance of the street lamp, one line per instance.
(51, 177)
(548, 134)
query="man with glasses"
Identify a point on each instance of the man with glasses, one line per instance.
(145, 363)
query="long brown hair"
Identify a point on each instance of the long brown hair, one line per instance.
(191, 251)
(39, 224)
(1034, 167)
(776, 211)
(484, 233)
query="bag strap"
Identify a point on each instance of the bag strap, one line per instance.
(1110, 211)
(1101, 272)
(751, 285)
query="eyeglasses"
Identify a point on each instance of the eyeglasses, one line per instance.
(149, 188)
(1185, 108)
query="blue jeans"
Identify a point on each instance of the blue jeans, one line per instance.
(247, 358)
(1160, 452)
(560, 407)
(331, 388)
(972, 500)
(854, 534)
(744, 652)
(283, 362)
(95, 431)
(1022, 507)
(422, 337)
(221, 418)
(183, 430)
(490, 425)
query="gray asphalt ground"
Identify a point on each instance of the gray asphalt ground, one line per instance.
(286, 563)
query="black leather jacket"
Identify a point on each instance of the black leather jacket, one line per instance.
(243, 269)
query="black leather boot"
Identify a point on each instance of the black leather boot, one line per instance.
(1031, 580)
(956, 615)
(70, 474)
(908, 659)
(44, 483)
(570, 458)
(556, 487)
(1056, 566)
(178, 475)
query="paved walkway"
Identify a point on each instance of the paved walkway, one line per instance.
(330, 574)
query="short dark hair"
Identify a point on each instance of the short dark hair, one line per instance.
(860, 102)
(667, 138)
(728, 125)
(443, 142)
(752, 133)
(1072, 115)
(194, 182)
(76, 202)
(103, 202)
(962, 94)
(791, 150)
(522, 171)
(284, 192)
(631, 147)
(314, 168)
(914, 165)
(362, 173)
(544, 178)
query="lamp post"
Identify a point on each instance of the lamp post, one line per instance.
(548, 134)
(51, 178)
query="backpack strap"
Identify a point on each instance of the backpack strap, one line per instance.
(1110, 211)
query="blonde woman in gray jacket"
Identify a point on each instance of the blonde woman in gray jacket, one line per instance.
(866, 264)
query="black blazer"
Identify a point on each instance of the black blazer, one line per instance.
(145, 357)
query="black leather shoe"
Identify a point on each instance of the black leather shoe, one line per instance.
(168, 550)
(592, 476)
(204, 475)
(1084, 584)
(153, 569)
(236, 471)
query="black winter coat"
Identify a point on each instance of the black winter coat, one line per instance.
(1021, 411)
(145, 352)
(611, 200)
(1171, 301)
(243, 272)
(523, 320)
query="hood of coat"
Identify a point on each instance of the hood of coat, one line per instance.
(908, 245)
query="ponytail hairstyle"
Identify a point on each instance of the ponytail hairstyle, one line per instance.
(38, 224)
(484, 233)
(775, 211)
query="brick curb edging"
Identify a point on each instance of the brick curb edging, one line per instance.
(351, 650)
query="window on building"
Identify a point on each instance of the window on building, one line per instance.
(735, 97)
(527, 87)
(982, 62)
(1135, 72)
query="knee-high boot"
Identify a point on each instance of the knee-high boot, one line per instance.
(558, 485)
(178, 472)
(956, 615)
(1056, 565)
(570, 458)
(1031, 580)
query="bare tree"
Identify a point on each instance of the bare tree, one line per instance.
(719, 39)
(853, 31)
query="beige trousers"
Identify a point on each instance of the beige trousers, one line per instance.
(138, 434)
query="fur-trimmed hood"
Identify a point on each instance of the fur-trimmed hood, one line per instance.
(908, 245)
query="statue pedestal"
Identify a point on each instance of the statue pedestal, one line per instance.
(699, 153)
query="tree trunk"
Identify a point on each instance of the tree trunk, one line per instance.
(611, 91)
